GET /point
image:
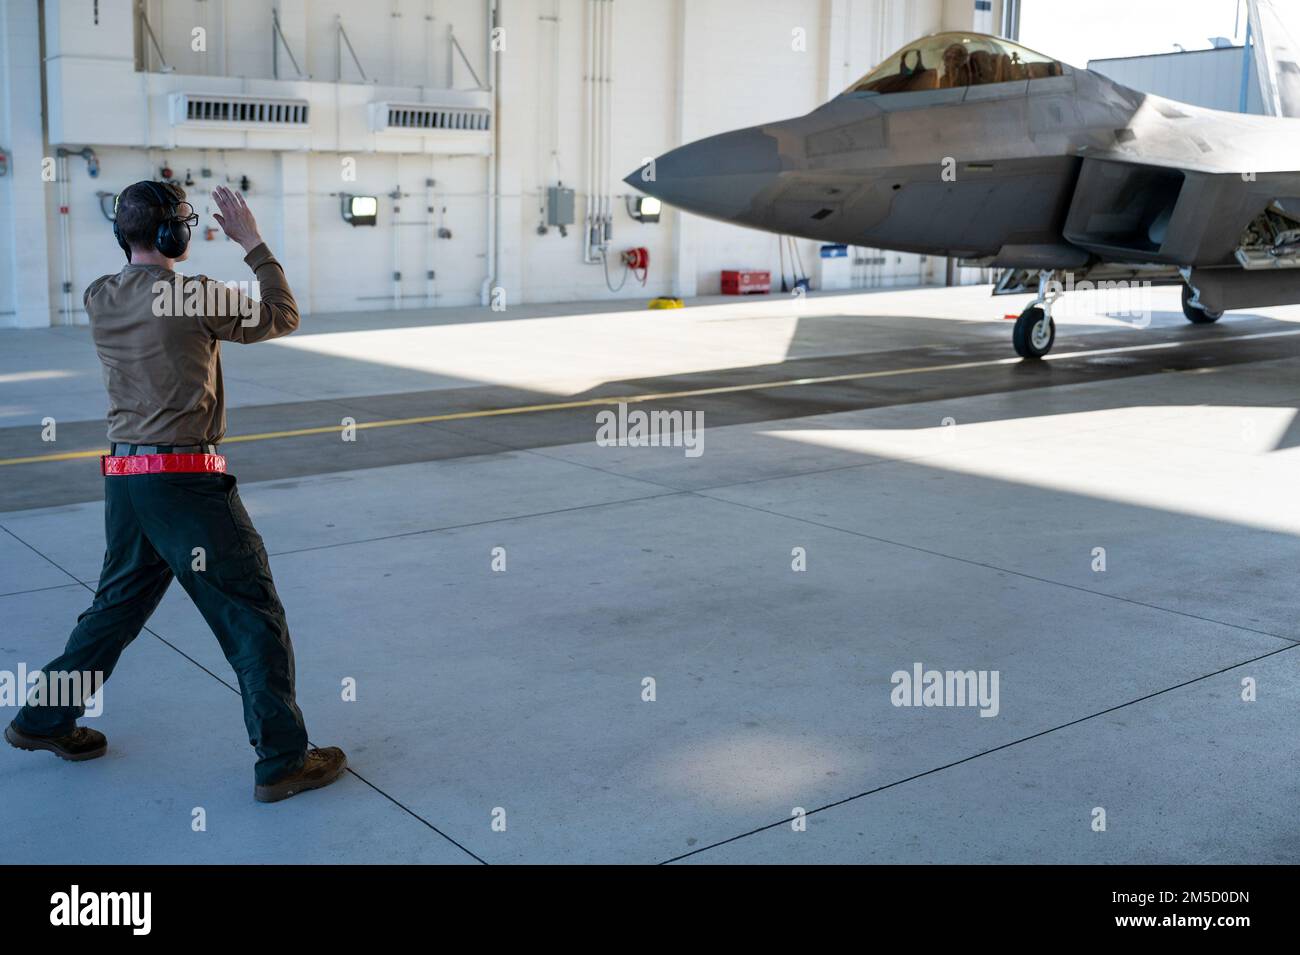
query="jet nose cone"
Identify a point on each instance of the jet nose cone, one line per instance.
(719, 176)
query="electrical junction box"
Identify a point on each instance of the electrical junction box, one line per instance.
(559, 206)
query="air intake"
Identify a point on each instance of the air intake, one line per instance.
(246, 112)
(426, 117)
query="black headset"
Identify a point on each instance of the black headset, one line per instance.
(173, 235)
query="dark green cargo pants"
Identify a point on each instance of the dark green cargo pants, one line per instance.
(155, 524)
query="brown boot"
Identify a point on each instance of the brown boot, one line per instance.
(321, 768)
(81, 744)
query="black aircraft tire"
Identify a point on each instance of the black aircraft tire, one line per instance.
(1026, 343)
(1195, 315)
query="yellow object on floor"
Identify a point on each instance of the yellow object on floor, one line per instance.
(666, 303)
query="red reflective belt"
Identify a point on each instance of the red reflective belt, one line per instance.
(160, 463)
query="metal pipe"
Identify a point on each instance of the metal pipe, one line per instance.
(606, 118)
(555, 89)
(341, 39)
(396, 196)
(430, 233)
(65, 241)
(278, 37)
(493, 159)
(456, 47)
(153, 40)
(599, 199)
(494, 81)
(601, 9)
(590, 131)
(598, 163)
(609, 120)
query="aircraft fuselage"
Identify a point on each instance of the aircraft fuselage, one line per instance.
(1056, 172)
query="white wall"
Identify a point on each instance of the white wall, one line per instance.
(683, 69)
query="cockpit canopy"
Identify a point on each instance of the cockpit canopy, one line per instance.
(953, 60)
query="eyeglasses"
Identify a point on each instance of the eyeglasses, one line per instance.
(185, 212)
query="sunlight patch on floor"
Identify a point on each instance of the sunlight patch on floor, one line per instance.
(1237, 464)
(751, 769)
(563, 355)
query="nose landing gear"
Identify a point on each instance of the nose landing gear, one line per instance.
(1193, 310)
(1035, 332)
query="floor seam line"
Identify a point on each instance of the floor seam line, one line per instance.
(163, 640)
(483, 523)
(39, 590)
(540, 452)
(1006, 570)
(987, 752)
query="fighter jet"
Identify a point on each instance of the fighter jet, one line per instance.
(975, 147)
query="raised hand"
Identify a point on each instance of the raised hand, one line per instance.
(236, 219)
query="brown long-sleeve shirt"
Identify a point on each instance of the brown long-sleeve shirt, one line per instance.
(159, 338)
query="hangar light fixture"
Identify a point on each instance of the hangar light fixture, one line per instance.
(644, 208)
(360, 210)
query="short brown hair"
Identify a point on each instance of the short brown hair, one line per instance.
(139, 215)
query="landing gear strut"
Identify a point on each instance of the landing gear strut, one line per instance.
(1035, 332)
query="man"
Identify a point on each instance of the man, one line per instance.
(170, 510)
(956, 67)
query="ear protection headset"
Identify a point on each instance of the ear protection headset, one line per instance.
(173, 235)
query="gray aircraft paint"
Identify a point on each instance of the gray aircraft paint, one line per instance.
(1064, 172)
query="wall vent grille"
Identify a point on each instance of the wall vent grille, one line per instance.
(423, 116)
(233, 111)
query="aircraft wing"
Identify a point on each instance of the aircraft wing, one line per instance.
(1173, 135)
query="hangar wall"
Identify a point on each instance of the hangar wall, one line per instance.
(1222, 78)
(677, 70)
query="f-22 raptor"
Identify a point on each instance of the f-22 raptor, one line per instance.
(974, 147)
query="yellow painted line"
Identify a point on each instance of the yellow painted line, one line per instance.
(66, 456)
(664, 395)
(530, 409)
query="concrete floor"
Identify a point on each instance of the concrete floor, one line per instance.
(966, 545)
